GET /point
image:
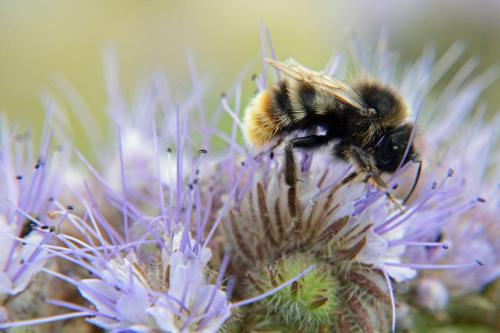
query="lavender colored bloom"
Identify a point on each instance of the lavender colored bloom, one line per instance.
(194, 237)
(141, 285)
(453, 235)
(329, 221)
(128, 297)
(147, 273)
(272, 219)
(204, 307)
(119, 295)
(454, 139)
(29, 185)
(458, 138)
(136, 154)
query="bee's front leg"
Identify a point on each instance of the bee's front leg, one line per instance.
(306, 142)
(365, 164)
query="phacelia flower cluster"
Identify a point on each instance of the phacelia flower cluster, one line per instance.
(160, 230)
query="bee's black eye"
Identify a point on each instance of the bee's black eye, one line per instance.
(392, 148)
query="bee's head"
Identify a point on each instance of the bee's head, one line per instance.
(385, 104)
(392, 148)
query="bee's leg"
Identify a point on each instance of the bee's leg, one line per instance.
(307, 142)
(350, 177)
(290, 167)
(310, 142)
(341, 151)
(293, 195)
(365, 164)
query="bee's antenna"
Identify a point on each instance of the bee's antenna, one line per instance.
(415, 182)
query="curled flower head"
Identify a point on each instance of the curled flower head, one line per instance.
(322, 218)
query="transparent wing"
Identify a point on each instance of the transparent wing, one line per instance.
(320, 81)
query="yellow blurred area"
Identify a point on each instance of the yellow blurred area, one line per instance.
(41, 38)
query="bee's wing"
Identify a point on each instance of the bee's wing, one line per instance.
(320, 81)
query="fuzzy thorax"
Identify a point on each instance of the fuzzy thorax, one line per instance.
(259, 126)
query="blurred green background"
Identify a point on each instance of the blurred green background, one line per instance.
(39, 39)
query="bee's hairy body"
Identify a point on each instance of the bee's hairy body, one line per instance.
(292, 105)
(287, 106)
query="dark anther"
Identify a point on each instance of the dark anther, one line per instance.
(28, 227)
(169, 150)
(44, 227)
(481, 199)
(190, 186)
(223, 95)
(271, 155)
(52, 228)
(51, 199)
(479, 263)
(39, 163)
(203, 151)
(19, 177)
(434, 185)
(450, 172)
(395, 186)
(70, 207)
(254, 77)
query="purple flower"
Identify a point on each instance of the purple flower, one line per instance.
(136, 154)
(203, 307)
(271, 219)
(30, 183)
(462, 216)
(169, 237)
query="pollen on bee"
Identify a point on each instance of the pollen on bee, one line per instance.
(259, 127)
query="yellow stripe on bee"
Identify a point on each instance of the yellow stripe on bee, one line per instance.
(259, 127)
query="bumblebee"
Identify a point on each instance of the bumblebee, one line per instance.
(367, 122)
